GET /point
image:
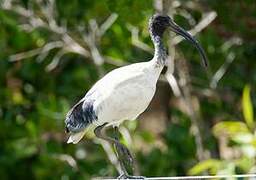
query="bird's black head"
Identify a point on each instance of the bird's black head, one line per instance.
(158, 24)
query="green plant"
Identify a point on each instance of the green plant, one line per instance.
(237, 144)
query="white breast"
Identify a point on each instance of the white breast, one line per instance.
(125, 93)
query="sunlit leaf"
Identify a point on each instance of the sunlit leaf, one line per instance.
(229, 128)
(243, 138)
(247, 107)
(229, 168)
(249, 150)
(245, 163)
(210, 164)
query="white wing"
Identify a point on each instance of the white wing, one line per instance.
(124, 93)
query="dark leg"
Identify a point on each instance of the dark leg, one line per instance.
(125, 158)
(123, 153)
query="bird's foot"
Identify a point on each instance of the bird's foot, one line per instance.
(124, 154)
(126, 176)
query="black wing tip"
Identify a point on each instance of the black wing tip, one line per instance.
(80, 117)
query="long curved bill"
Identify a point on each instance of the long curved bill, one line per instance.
(177, 29)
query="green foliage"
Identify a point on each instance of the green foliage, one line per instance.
(212, 165)
(239, 142)
(230, 128)
(247, 107)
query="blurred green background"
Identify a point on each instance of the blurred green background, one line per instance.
(52, 52)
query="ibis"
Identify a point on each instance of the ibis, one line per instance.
(124, 93)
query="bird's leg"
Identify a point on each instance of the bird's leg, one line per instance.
(124, 157)
(120, 148)
(123, 153)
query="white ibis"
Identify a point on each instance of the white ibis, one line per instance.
(124, 93)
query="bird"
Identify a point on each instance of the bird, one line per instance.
(124, 93)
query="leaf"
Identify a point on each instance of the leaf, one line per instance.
(210, 164)
(229, 128)
(249, 151)
(243, 138)
(247, 107)
(244, 163)
(227, 168)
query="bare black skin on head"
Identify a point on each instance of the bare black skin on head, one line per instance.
(159, 23)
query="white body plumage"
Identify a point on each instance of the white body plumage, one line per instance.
(126, 92)
(122, 94)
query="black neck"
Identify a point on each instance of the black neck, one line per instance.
(160, 52)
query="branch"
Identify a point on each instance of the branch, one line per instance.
(186, 14)
(73, 46)
(23, 55)
(92, 40)
(136, 41)
(67, 42)
(110, 153)
(108, 23)
(46, 49)
(209, 17)
(6, 4)
(42, 51)
(69, 159)
(192, 107)
(55, 61)
(229, 59)
(114, 61)
(173, 84)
